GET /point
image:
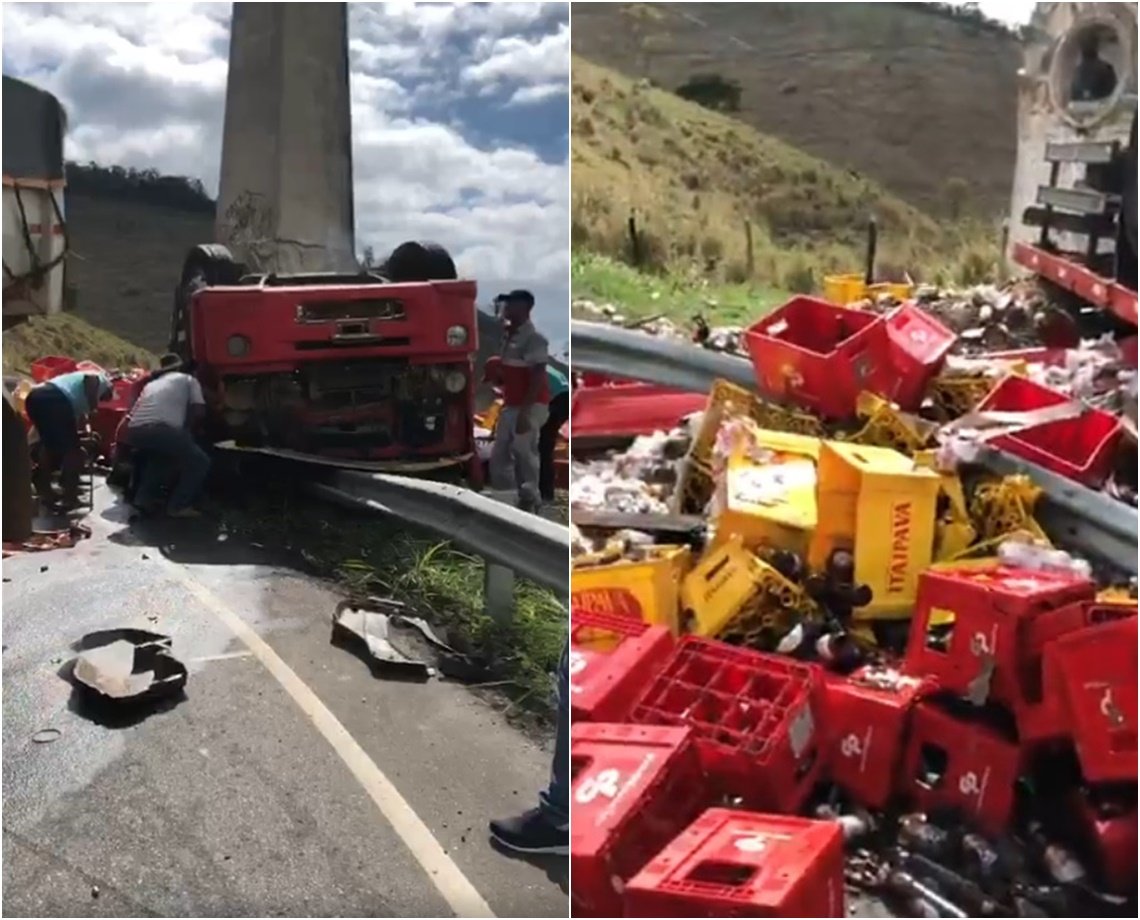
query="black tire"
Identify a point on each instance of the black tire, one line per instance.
(419, 261)
(206, 265)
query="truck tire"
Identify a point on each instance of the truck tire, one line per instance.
(206, 265)
(211, 263)
(416, 261)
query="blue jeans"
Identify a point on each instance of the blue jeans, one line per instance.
(167, 446)
(555, 799)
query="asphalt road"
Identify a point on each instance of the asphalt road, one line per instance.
(288, 782)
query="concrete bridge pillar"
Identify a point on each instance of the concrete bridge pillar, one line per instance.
(285, 201)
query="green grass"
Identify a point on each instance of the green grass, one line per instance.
(640, 295)
(693, 180)
(369, 554)
(64, 334)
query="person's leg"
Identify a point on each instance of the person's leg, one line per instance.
(193, 468)
(151, 467)
(546, 829)
(502, 462)
(50, 411)
(547, 441)
(527, 460)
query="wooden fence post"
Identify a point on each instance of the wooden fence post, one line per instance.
(749, 255)
(634, 242)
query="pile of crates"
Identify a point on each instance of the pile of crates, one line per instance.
(666, 730)
(697, 748)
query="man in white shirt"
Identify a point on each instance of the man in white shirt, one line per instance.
(159, 426)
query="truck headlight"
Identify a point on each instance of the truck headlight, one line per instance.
(456, 336)
(455, 381)
(238, 346)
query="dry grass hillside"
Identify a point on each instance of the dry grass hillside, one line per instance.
(693, 177)
(903, 93)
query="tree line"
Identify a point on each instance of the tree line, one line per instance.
(146, 186)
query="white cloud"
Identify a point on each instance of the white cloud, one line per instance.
(529, 95)
(519, 60)
(144, 86)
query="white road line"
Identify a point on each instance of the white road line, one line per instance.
(447, 877)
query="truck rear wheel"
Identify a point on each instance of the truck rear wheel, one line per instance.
(206, 265)
(1126, 242)
(420, 261)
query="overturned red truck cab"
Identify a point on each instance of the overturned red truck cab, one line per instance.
(374, 368)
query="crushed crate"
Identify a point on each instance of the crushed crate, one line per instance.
(646, 589)
(726, 401)
(754, 717)
(731, 863)
(1095, 668)
(1000, 507)
(611, 659)
(633, 788)
(734, 595)
(820, 356)
(1081, 449)
(918, 346)
(957, 765)
(770, 505)
(969, 620)
(866, 715)
(883, 507)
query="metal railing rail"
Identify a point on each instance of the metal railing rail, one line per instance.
(1076, 517)
(509, 541)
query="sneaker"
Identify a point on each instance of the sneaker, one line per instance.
(531, 833)
(185, 513)
(530, 504)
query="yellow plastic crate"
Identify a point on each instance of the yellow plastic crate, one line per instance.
(770, 505)
(726, 401)
(734, 595)
(851, 288)
(880, 504)
(648, 589)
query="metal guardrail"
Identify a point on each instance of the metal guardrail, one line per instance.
(509, 541)
(1087, 521)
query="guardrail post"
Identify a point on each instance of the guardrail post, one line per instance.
(499, 593)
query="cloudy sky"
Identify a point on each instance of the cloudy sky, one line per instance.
(459, 117)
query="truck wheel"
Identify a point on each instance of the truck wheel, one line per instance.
(414, 261)
(206, 265)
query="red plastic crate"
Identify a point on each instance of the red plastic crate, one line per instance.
(1109, 837)
(1040, 707)
(627, 410)
(633, 788)
(1081, 449)
(52, 366)
(865, 721)
(1095, 669)
(918, 347)
(820, 356)
(976, 768)
(989, 608)
(612, 658)
(731, 863)
(754, 717)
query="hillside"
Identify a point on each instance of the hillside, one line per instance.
(693, 177)
(903, 93)
(71, 336)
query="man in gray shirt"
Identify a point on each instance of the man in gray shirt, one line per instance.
(159, 426)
